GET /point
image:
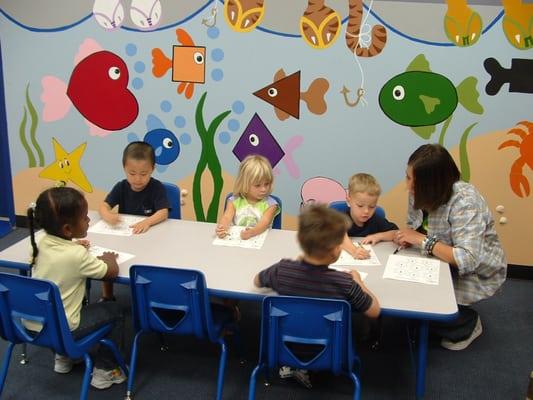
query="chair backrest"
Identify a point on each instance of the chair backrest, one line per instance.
(276, 223)
(174, 199)
(170, 300)
(24, 299)
(342, 207)
(306, 333)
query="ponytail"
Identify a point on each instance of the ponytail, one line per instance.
(31, 221)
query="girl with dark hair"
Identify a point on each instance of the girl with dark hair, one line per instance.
(450, 220)
(58, 257)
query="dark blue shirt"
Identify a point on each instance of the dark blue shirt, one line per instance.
(146, 202)
(375, 224)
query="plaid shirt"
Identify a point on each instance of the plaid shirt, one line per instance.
(466, 224)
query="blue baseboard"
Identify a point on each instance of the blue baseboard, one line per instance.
(5, 228)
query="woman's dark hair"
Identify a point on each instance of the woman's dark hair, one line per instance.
(53, 209)
(434, 173)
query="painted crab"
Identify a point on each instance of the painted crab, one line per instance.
(519, 182)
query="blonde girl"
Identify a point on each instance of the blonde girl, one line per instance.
(250, 205)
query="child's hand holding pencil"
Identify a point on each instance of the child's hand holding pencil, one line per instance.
(360, 252)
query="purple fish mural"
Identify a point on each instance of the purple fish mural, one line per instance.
(257, 139)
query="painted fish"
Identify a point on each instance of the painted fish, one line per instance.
(284, 94)
(187, 63)
(97, 88)
(421, 98)
(320, 189)
(257, 139)
(166, 145)
(519, 76)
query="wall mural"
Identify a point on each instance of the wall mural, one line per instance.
(66, 167)
(462, 24)
(138, 66)
(97, 88)
(524, 143)
(187, 63)
(284, 94)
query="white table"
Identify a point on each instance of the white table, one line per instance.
(229, 271)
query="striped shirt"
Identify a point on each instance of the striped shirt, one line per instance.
(298, 278)
(466, 224)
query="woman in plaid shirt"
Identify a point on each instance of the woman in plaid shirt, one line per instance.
(449, 219)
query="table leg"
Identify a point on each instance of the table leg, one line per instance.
(421, 359)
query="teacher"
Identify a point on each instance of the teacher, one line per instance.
(450, 220)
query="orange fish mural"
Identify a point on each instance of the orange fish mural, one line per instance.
(518, 23)
(187, 63)
(462, 25)
(284, 94)
(244, 15)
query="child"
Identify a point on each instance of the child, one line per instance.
(362, 199)
(321, 232)
(138, 194)
(251, 204)
(62, 213)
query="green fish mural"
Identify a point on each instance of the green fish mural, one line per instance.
(421, 99)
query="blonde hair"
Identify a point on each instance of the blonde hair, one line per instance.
(364, 183)
(321, 229)
(254, 169)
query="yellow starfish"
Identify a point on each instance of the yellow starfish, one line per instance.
(66, 167)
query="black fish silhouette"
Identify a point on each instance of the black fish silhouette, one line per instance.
(519, 76)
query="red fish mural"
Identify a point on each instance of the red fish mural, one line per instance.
(98, 88)
(187, 63)
(284, 94)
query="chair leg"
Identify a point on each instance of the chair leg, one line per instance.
(357, 386)
(24, 354)
(86, 376)
(111, 345)
(253, 380)
(221, 367)
(133, 365)
(5, 365)
(164, 345)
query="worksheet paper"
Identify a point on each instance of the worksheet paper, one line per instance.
(346, 259)
(233, 238)
(412, 269)
(120, 229)
(98, 251)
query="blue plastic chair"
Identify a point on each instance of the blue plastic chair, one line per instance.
(290, 324)
(175, 301)
(36, 300)
(174, 199)
(276, 223)
(342, 207)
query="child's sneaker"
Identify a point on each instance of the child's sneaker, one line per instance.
(62, 364)
(301, 375)
(102, 379)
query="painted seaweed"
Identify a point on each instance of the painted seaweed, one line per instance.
(35, 154)
(208, 159)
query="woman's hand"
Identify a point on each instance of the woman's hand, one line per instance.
(409, 237)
